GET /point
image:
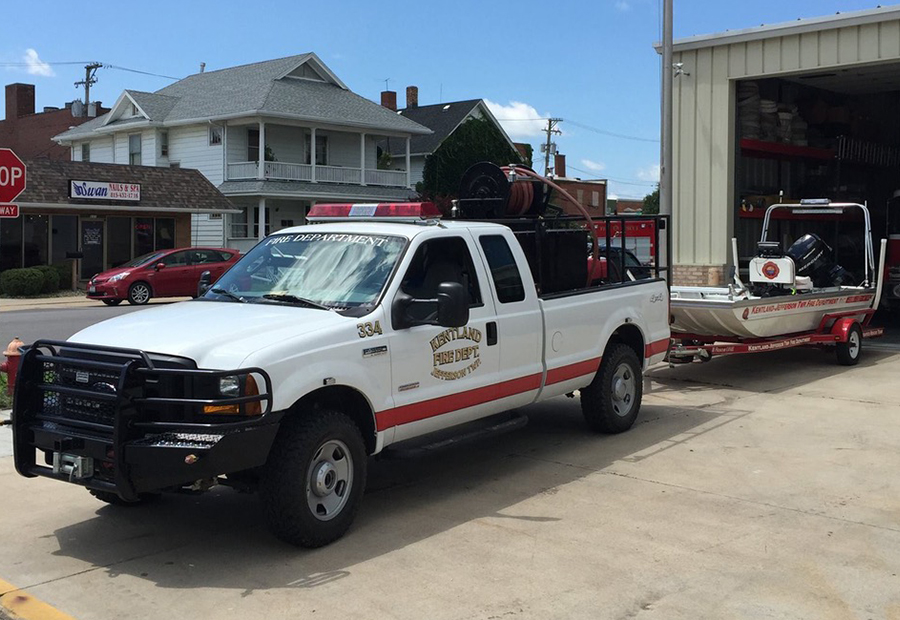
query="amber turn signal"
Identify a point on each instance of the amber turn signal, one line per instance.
(221, 409)
(251, 389)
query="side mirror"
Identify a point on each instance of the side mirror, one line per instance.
(204, 284)
(453, 307)
(159, 266)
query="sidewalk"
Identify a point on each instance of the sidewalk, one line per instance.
(59, 303)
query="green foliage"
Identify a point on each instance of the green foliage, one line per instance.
(51, 278)
(22, 282)
(384, 160)
(528, 160)
(651, 202)
(64, 269)
(474, 141)
(5, 400)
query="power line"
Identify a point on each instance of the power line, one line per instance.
(623, 181)
(583, 126)
(85, 62)
(168, 77)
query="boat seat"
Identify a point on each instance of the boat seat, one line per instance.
(769, 249)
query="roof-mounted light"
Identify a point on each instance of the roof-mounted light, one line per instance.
(407, 212)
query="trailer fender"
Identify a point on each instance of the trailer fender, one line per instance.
(841, 328)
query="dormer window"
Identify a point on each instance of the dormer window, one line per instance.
(134, 110)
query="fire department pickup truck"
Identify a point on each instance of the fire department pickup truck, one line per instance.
(326, 343)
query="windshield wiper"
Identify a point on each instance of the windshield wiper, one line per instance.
(229, 294)
(293, 299)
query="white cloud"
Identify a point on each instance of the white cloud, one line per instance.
(519, 120)
(593, 166)
(35, 66)
(651, 173)
(623, 5)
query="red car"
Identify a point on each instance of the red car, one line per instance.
(166, 273)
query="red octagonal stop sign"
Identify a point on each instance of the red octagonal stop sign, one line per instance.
(12, 176)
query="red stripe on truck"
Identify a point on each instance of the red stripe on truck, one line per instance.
(660, 346)
(572, 371)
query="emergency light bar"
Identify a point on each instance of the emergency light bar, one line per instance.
(406, 212)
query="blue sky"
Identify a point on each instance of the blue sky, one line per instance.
(590, 63)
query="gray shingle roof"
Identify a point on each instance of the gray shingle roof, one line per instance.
(260, 88)
(161, 188)
(441, 118)
(300, 189)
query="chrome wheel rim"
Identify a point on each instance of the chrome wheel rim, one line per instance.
(624, 390)
(853, 344)
(329, 480)
(140, 293)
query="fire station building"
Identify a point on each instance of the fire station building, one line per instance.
(805, 109)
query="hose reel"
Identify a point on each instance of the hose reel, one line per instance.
(486, 192)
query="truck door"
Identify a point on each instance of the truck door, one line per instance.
(519, 325)
(442, 376)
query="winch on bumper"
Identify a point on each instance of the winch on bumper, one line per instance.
(127, 422)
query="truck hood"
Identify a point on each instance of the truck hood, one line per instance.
(218, 335)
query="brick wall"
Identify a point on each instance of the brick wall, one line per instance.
(698, 275)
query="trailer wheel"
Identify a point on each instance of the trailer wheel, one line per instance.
(113, 499)
(314, 479)
(848, 352)
(611, 402)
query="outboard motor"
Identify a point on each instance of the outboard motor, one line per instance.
(813, 258)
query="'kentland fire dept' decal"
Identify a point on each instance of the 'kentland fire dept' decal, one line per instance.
(467, 354)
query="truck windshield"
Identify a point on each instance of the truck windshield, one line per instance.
(337, 270)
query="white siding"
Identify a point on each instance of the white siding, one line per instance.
(101, 150)
(704, 139)
(148, 148)
(288, 144)
(236, 143)
(205, 231)
(343, 148)
(416, 168)
(190, 147)
(121, 144)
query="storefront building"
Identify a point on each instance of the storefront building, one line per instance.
(804, 109)
(106, 213)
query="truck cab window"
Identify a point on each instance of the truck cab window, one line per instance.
(441, 260)
(504, 271)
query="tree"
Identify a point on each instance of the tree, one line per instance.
(651, 202)
(474, 141)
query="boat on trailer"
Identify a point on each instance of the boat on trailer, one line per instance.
(795, 297)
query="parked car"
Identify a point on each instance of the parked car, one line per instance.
(166, 273)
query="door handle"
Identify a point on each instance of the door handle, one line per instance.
(491, 329)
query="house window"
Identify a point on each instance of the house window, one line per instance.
(253, 145)
(215, 135)
(239, 224)
(163, 143)
(85, 151)
(134, 149)
(134, 110)
(321, 151)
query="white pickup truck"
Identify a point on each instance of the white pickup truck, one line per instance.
(328, 343)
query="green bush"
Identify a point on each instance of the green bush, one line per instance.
(22, 282)
(51, 278)
(64, 269)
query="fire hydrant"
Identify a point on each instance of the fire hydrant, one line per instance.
(11, 365)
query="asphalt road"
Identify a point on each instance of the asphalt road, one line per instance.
(30, 325)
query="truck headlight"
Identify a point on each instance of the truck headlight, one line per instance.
(230, 386)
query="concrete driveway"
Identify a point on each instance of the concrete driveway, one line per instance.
(753, 487)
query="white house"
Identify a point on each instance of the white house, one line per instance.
(274, 136)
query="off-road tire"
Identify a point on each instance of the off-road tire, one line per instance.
(285, 484)
(603, 412)
(113, 499)
(111, 302)
(136, 296)
(848, 353)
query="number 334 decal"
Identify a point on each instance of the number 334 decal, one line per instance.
(369, 329)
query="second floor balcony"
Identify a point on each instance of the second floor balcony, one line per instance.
(311, 155)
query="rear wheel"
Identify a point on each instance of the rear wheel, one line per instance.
(848, 352)
(111, 302)
(611, 402)
(139, 293)
(314, 478)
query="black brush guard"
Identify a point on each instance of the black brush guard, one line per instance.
(135, 416)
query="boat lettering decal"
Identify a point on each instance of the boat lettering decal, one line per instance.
(809, 303)
(467, 354)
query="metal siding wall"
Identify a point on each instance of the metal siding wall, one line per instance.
(704, 121)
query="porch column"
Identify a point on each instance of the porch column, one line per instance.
(261, 171)
(312, 153)
(362, 159)
(408, 177)
(261, 218)
(225, 151)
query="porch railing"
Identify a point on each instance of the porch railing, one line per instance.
(337, 174)
(286, 171)
(391, 178)
(242, 170)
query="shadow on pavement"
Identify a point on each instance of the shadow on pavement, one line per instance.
(219, 539)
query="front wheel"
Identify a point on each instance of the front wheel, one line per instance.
(314, 479)
(139, 293)
(848, 352)
(611, 402)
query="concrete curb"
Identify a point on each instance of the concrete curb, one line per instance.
(62, 303)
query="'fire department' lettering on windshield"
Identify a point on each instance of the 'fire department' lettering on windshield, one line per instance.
(329, 237)
(468, 354)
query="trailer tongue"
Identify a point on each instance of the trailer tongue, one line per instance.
(796, 297)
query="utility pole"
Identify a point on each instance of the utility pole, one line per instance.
(90, 71)
(549, 146)
(665, 155)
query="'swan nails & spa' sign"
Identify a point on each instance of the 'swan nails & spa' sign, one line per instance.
(94, 190)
